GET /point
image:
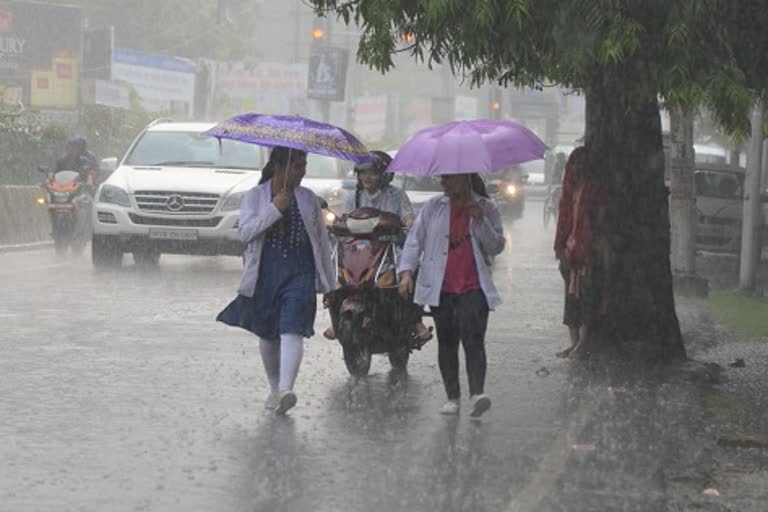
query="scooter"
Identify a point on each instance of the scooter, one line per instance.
(371, 318)
(68, 202)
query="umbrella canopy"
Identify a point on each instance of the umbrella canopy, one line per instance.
(294, 132)
(467, 147)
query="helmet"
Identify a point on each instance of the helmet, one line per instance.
(381, 161)
(77, 140)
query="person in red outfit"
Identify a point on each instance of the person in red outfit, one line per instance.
(582, 249)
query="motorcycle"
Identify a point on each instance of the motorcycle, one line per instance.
(68, 202)
(371, 317)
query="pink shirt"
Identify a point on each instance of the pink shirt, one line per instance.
(461, 274)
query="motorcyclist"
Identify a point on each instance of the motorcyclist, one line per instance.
(374, 190)
(79, 159)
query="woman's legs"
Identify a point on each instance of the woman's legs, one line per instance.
(270, 356)
(472, 310)
(291, 354)
(448, 345)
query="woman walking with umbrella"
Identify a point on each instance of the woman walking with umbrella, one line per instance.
(287, 256)
(456, 237)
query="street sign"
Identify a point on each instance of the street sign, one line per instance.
(327, 73)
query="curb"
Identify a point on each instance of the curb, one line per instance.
(36, 246)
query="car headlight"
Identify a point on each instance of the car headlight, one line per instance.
(114, 195)
(511, 190)
(232, 203)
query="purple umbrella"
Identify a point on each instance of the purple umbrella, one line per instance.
(467, 147)
(293, 132)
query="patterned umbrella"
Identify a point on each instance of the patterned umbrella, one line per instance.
(293, 132)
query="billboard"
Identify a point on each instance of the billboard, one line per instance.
(327, 73)
(163, 84)
(268, 88)
(39, 54)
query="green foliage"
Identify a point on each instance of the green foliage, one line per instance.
(26, 143)
(747, 316)
(712, 53)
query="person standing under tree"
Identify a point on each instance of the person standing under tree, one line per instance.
(582, 249)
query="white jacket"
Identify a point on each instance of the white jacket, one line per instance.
(427, 248)
(257, 214)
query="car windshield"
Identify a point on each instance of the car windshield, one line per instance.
(189, 149)
(723, 185)
(325, 167)
(422, 184)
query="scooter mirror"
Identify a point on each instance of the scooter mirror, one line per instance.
(42, 169)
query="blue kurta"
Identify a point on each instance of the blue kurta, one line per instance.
(284, 301)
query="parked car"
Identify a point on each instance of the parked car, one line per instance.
(175, 191)
(328, 178)
(719, 206)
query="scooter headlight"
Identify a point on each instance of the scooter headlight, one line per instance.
(511, 190)
(114, 195)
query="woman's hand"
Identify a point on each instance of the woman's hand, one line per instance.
(406, 284)
(475, 211)
(282, 200)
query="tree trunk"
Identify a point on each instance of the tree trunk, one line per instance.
(624, 139)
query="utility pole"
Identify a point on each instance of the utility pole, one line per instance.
(682, 205)
(752, 217)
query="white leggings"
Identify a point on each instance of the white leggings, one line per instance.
(281, 360)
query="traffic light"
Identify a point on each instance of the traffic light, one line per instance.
(495, 103)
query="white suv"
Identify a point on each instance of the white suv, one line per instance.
(176, 191)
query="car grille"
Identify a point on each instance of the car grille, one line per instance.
(159, 221)
(189, 203)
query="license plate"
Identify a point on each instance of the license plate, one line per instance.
(173, 234)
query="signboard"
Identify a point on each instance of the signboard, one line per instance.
(268, 88)
(369, 118)
(327, 73)
(107, 93)
(39, 54)
(164, 84)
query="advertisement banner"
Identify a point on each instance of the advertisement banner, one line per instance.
(267, 88)
(327, 73)
(163, 84)
(39, 54)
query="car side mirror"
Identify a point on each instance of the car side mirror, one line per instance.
(492, 188)
(108, 165)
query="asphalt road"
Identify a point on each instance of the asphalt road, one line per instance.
(119, 392)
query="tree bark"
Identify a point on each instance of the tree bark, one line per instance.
(624, 140)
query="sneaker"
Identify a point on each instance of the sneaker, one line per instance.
(450, 408)
(286, 402)
(271, 402)
(480, 404)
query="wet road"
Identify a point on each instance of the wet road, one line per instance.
(119, 392)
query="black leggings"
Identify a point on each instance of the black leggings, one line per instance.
(464, 318)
